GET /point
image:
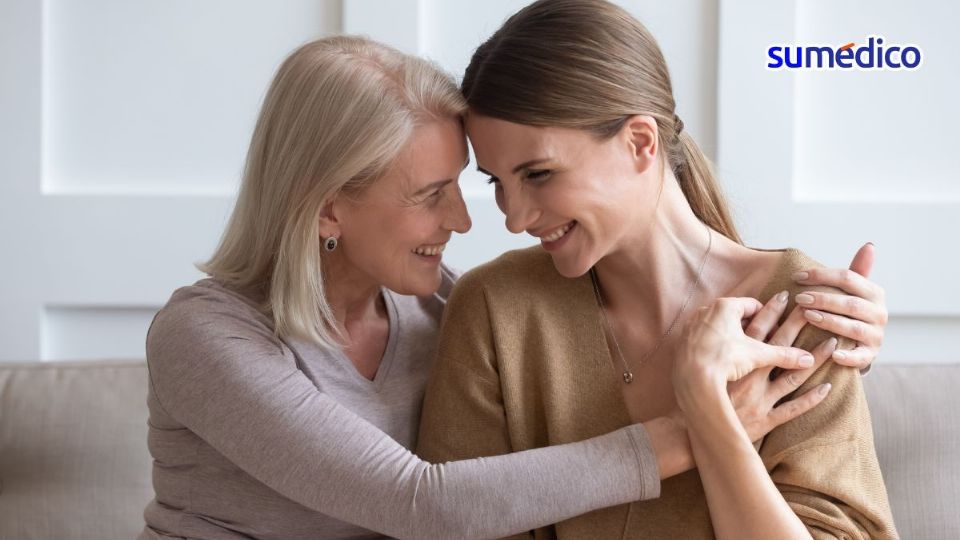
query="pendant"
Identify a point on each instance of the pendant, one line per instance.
(627, 377)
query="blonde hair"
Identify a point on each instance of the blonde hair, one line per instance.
(337, 113)
(588, 64)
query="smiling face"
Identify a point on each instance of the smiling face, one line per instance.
(582, 198)
(394, 232)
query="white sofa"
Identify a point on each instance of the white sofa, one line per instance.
(74, 461)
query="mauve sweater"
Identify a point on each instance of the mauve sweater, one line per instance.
(259, 437)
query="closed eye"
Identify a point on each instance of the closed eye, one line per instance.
(493, 180)
(434, 197)
(541, 174)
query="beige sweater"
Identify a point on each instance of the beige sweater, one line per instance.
(523, 363)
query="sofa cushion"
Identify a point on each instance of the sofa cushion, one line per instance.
(73, 451)
(74, 461)
(916, 426)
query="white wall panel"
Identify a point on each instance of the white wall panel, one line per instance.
(160, 97)
(827, 160)
(124, 130)
(396, 23)
(76, 331)
(877, 136)
(125, 126)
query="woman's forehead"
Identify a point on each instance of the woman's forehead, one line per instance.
(433, 153)
(499, 143)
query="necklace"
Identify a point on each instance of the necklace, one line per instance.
(627, 374)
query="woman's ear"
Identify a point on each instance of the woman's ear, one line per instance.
(329, 224)
(641, 134)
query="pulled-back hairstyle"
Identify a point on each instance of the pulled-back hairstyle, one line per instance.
(588, 64)
(337, 113)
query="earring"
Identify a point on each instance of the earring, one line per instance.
(330, 244)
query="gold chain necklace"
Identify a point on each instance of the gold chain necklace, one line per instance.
(627, 374)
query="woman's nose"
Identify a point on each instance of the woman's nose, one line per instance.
(458, 219)
(519, 212)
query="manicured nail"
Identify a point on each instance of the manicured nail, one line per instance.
(782, 297)
(812, 315)
(832, 344)
(824, 388)
(805, 299)
(801, 276)
(839, 355)
(872, 244)
(806, 360)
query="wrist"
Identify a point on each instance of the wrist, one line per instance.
(714, 419)
(670, 444)
(699, 392)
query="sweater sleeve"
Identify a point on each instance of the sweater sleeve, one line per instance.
(824, 462)
(465, 374)
(225, 377)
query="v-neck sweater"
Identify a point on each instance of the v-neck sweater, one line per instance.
(257, 436)
(523, 363)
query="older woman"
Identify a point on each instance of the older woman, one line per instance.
(285, 389)
(572, 115)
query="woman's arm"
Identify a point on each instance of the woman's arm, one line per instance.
(744, 502)
(814, 476)
(464, 416)
(223, 376)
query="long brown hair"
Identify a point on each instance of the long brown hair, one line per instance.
(588, 64)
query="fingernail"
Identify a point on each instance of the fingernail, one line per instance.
(824, 388)
(812, 315)
(806, 360)
(872, 244)
(805, 299)
(839, 355)
(782, 297)
(832, 344)
(801, 276)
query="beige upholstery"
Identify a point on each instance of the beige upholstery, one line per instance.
(74, 461)
(73, 450)
(916, 426)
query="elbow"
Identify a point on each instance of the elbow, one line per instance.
(440, 511)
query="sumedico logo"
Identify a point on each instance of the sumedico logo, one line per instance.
(874, 54)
